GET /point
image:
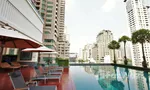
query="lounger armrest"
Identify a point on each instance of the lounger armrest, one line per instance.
(24, 65)
(45, 73)
(31, 83)
(21, 88)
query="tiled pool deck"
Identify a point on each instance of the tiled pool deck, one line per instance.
(66, 82)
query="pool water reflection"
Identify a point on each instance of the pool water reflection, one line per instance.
(109, 78)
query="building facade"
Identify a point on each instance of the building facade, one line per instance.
(64, 45)
(138, 16)
(53, 13)
(103, 39)
(15, 17)
(95, 52)
(87, 52)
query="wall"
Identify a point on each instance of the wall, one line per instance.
(21, 15)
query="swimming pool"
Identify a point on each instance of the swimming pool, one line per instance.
(109, 78)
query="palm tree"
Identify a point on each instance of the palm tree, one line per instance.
(114, 45)
(141, 36)
(124, 39)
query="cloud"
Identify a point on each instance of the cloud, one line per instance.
(109, 5)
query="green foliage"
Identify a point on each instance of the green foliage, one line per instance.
(129, 60)
(141, 36)
(48, 60)
(62, 61)
(114, 45)
(81, 61)
(124, 39)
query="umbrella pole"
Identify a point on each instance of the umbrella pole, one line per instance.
(49, 59)
(1, 53)
(38, 57)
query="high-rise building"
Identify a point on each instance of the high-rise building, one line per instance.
(53, 13)
(95, 52)
(103, 39)
(87, 52)
(64, 45)
(73, 57)
(49, 10)
(128, 50)
(80, 56)
(138, 16)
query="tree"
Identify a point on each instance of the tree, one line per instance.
(141, 36)
(124, 39)
(114, 45)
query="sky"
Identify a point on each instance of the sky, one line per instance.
(84, 19)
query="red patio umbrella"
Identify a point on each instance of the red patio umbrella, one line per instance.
(40, 49)
(14, 39)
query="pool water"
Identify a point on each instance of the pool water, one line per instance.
(109, 78)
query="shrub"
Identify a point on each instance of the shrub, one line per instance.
(62, 61)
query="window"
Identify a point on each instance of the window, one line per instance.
(42, 14)
(46, 32)
(11, 51)
(26, 56)
(49, 6)
(48, 40)
(48, 25)
(48, 20)
(48, 15)
(43, 5)
(49, 46)
(50, 2)
(42, 11)
(50, 11)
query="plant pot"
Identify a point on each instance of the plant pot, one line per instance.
(144, 64)
(125, 62)
(114, 61)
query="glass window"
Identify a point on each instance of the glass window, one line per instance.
(11, 51)
(42, 10)
(49, 6)
(26, 56)
(48, 40)
(50, 11)
(48, 15)
(42, 14)
(43, 6)
(50, 2)
(48, 20)
(46, 32)
(49, 46)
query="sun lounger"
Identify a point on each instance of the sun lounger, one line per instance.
(51, 68)
(41, 76)
(51, 72)
(19, 83)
